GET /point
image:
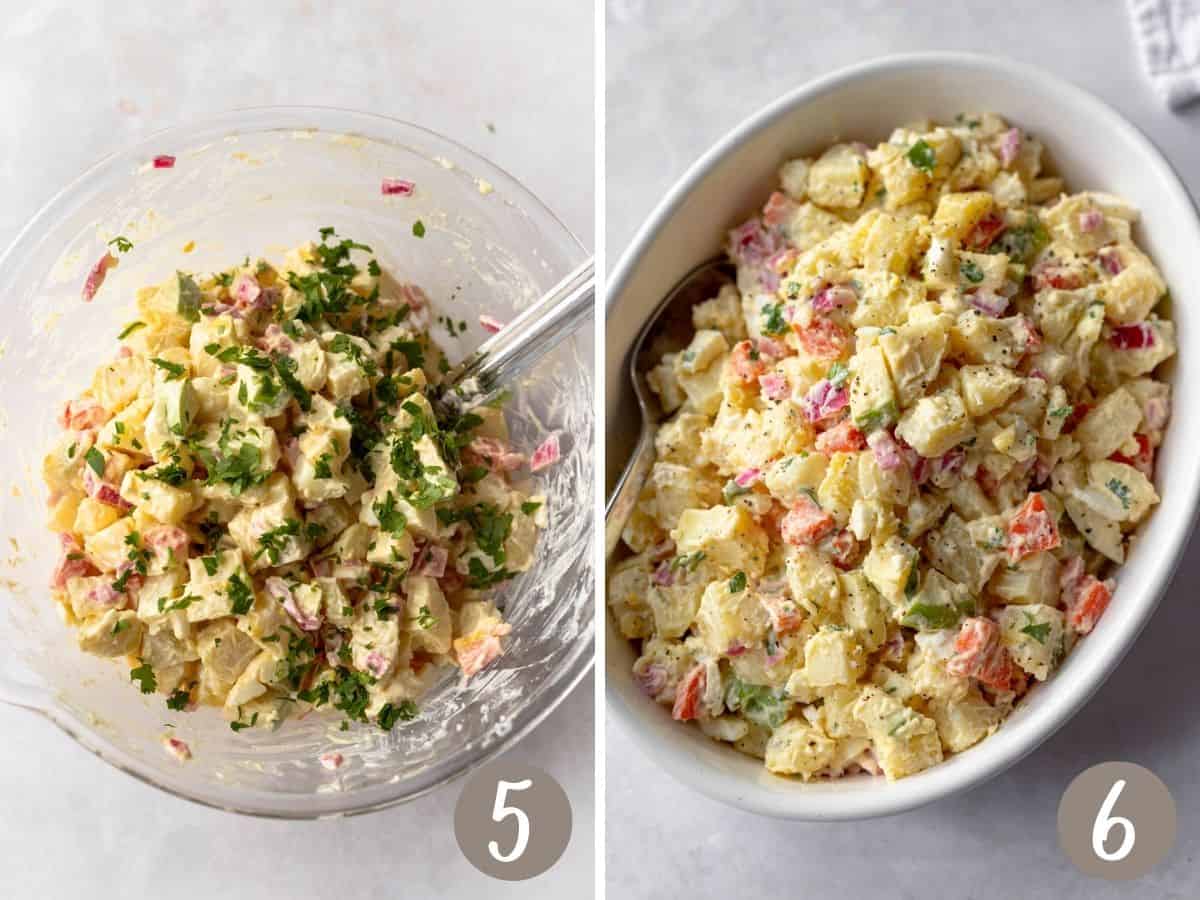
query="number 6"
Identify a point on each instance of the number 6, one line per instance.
(500, 812)
(1104, 824)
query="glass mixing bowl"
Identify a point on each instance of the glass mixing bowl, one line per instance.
(257, 182)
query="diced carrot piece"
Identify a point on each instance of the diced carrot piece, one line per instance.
(1086, 600)
(985, 231)
(779, 208)
(805, 523)
(688, 693)
(747, 362)
(1032, 529)
(841, 438)
(823, 338)
(843, 549)
(784, 613)
(978, 654)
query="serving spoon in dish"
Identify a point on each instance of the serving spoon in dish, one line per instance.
(508, 353)
(667, 328)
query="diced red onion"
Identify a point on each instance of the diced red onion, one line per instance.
(1156, 412)
(834, 296)
(275, 340)
(245, 289)
(496, 454)
(737, 648)
(546, 454)
(96, 276)
(885, 449)
(663, 576)
(1110, 259)
(823, 400)
(332, 761)
(377, 663)
(397, 187)
(750, 244)
(774, 386)
(81, 413)
(1090, 220)
(651, 678)
(747, 477)
(490, 325)
(178, 749)
(106, 594)
(1010, 146)
(432, 561)
(278, 588)
(988, 302)
(771, 348)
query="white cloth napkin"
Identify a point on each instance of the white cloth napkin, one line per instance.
(1168, 33)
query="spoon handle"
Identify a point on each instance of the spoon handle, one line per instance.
(625, 496)
(523, 341)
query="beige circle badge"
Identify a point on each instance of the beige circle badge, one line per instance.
(1116, 821)
(512, 821)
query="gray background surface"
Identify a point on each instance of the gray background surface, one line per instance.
(80, 79)
(679, 76)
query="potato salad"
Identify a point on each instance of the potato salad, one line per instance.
(260, 509)
(902, 455)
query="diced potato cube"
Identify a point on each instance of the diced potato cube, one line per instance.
(115, 633)
(958, 213)
(872, 395)
(1033, 636)
(863, 610)
(706, 348)
(726, 618)
(838, 179)
(935, 424)
(964, 723)
(798, 748)
(831, 657)
(914, 355)
(985, 388)
(889, 567)
(813, 580)
(1108, 425)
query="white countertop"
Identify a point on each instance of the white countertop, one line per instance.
(77, 81)
(677, 81)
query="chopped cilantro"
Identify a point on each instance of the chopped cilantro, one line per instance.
(144, 676)
(922, 156)
(418, 229)
(773, 320)
(737, 583)
(970, 271)
(241, 597)
(390, 714)
(1039, 632)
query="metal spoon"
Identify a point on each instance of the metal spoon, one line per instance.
(508, 353)
(673, 314)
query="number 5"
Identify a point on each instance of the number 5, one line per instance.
(1104, 824)
(500, 812)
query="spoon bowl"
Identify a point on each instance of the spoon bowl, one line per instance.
(668, 328)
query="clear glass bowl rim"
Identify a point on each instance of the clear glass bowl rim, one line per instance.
(337, 120)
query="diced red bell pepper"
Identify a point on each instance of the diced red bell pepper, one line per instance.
(841, 438)
(805, 523)
(688, 693)
(823, 338)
